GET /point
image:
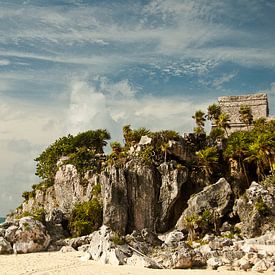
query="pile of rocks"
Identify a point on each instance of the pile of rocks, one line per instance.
(23, 236)
(171, 251)
(256, 254)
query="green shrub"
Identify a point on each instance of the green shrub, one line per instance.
(43, 185)
(262, 208)
(117, 239)
(81, 149)
(86, 217)
(96, 189)
(268, 181)
(39, 214)
(28, 195)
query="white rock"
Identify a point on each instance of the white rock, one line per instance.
(86, 257)
(248, 248)
(261, 266)
(5, 246)
(65, 249)
(145, 140)
(214, 263)
(244, 264)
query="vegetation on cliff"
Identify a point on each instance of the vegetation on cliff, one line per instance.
(80, 150)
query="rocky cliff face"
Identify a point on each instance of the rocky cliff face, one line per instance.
(134, 196)
(156, 196)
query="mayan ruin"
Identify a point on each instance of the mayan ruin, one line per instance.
(231, 106)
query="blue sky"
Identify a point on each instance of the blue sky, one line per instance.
(70, 66)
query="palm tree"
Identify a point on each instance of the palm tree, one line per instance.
(213, 112)
(223, 122)
(164, 148)
(127, 134)
(199, 119)
(216, 134)
(207, 158)
(257, 156)
(246, 115)
(116, 147)
(238, 149)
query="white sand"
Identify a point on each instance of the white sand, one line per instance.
(69, 263)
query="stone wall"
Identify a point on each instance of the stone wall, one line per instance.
(231, 106)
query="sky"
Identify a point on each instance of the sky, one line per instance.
(68, 66)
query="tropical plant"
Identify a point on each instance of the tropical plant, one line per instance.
(132, 137)
(191, 222)
(223, 122)
(213, 112)
(246, 115)
(207, 159)
(216, 134)
(116, 147)
(238, 149)
(164, 149)
(86, 217)
(199, 120)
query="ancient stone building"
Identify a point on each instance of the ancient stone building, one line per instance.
(231, 106)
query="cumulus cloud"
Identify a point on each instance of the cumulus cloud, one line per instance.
(114, 104)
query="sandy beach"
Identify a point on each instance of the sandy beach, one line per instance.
(70, 263)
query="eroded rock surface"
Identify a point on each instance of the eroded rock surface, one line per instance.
(216, 198)
(256, 210)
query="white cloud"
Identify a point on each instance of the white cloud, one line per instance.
(115, 104)
(184, 28)
(217, 83)
(4, 62)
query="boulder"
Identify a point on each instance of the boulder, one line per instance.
(5, 246)
(182, 256)
(102, 248)
(65, 249)
(56, 216)
(172, 238)
(244, 264)
(31, 236)
(216, 198)
(261, 266)
(214, 263)
(10, 234)
(76, 242)
(181, 150)
(141, 261)
(2, 232)
(127, 190)
(150, 237)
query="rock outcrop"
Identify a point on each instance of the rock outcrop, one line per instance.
(24, 236)
(172, 180)
(216, 199)
(256, 209)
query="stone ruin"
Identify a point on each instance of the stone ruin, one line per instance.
(231, 106)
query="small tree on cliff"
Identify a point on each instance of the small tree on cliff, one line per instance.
(199, 120)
